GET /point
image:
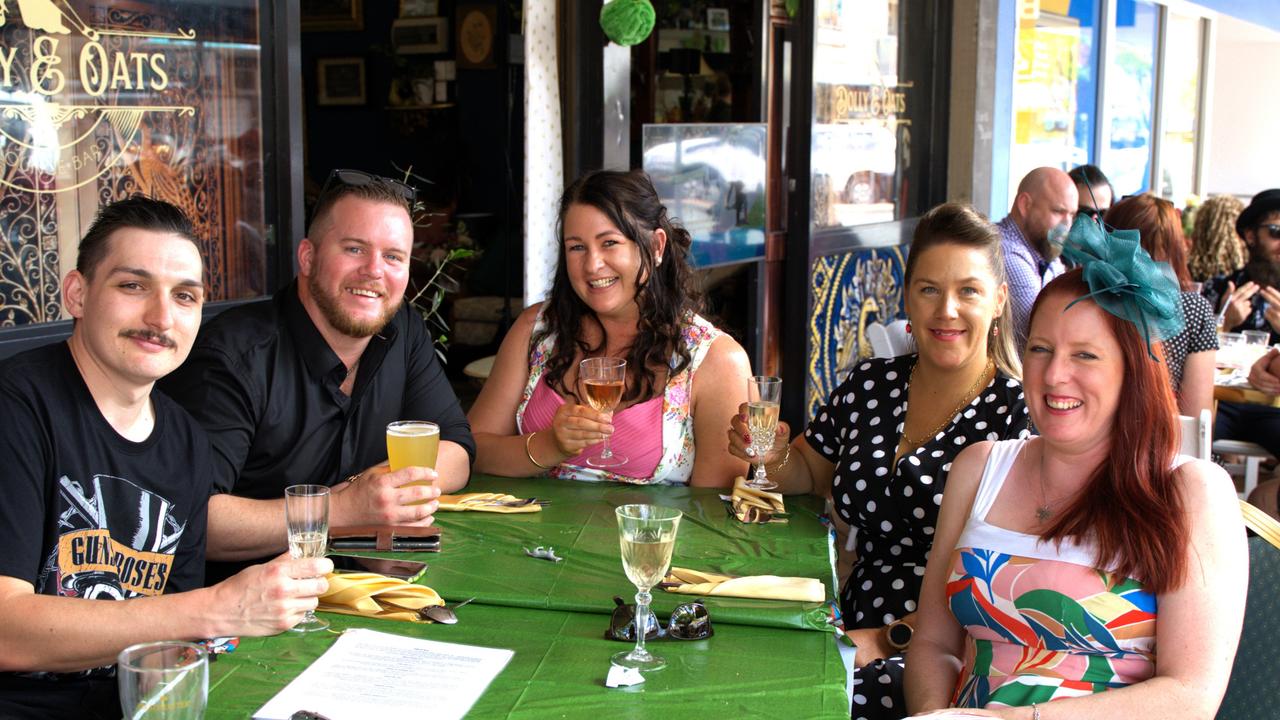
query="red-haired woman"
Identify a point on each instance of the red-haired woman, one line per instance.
(1054, 555)
(1189, 354)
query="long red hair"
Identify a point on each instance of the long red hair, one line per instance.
(1131, 507)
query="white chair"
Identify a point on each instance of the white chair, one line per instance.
(1197, 435)
(1253, 455)
(881, 344)
(899, 338)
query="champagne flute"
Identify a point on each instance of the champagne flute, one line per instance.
(163, 680)
(306, 512)
(603, 379)
(763, 395)
(646, 534)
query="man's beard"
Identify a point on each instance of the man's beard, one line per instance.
(343, 323)
(1262, 271)
(1049, 251)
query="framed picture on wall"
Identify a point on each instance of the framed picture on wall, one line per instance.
(322, 15)
(717, 19)
(419, 8)
(340, 81)
(476, 27)
(420, 35)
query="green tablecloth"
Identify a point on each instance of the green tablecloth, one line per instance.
(763, 660)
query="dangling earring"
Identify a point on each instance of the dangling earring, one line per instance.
(995, 330)
(908, 328)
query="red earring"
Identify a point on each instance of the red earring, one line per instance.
(908, 328)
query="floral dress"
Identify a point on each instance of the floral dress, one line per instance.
(1042, 621)
(894, 509)
(672, 446)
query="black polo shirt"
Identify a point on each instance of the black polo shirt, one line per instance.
(266, 387)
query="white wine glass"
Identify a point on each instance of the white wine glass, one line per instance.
(163, 681)
(763, 395)
(306, 512)
(603, 379)
(646, 534)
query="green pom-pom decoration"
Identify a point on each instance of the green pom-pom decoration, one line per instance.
(627, 22)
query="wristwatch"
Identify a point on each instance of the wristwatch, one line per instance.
(898, 634)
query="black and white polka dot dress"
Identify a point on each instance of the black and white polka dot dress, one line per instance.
(1199, 335)
(894, 510)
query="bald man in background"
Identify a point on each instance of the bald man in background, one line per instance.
(1046, 199)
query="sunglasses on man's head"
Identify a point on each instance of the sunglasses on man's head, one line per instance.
(1273, 231)
(360, 178)
(689, 621)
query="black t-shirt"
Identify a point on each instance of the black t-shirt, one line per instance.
(87, 513)
(265, 385)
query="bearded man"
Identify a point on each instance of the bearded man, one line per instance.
(1249, 299)
(1042, 212)
(301, 389)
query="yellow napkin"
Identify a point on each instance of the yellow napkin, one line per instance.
(756, 506)
(485, 502)
(373, 595)
(764, 587)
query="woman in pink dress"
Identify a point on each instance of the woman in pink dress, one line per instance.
(1090, 572)
(623, 288)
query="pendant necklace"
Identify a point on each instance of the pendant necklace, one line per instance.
(1045, 510)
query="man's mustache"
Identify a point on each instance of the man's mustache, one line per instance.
(149, 336)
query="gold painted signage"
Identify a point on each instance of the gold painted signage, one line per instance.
(58, 77)
(848, 103)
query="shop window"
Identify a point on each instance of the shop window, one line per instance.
(1130, 97)
(1180, 121)
(862, 124)
(102, 100)
(1055, 87)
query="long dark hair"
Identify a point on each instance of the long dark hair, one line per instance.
(1131, 506)
(1160, 229)
(667, 295)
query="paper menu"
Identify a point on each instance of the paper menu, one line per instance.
(373, 674)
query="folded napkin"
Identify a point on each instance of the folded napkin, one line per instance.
(373, 595)
(756, 506)
(486, 502)
(764, 587)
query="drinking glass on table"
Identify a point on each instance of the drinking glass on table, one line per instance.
(646, 534)
(306, 512)
(763, 395)
(163, 681)
(603, 379)
(413, 443)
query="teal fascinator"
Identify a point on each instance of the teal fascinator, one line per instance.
(1124, 280)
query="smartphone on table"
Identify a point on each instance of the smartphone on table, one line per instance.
(408, 570)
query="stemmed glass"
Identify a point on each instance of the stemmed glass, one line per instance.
(306, 512)
(168, 680)
(763, 394)
(603, 379)
(647, 534)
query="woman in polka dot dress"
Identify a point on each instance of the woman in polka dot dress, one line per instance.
(882, 445)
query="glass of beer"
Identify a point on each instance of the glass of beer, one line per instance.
(306, 513)
(763, 395)
(603, 379)
(646, 535)
(413, 443)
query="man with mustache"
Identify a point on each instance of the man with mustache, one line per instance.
(1249, 299)
(300, 389)
(1046, 200)
(106, 482)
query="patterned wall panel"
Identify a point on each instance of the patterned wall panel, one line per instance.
(848, 291)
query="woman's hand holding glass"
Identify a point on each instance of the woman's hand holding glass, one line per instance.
(306, 511)
(577, 427)
(740, 440)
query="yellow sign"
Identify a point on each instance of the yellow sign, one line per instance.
(34, 78)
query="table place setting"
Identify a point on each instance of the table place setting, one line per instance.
(760, 587)
(491, 502)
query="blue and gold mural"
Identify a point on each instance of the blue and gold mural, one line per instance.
(849, 290)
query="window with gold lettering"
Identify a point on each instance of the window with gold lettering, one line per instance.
(101, 100)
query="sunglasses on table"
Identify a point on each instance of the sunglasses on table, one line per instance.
(689, 621)
(360, 178)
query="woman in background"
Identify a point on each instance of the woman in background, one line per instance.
(1216, 249)
(1189, 355)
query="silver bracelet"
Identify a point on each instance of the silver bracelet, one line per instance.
(1035, 712)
